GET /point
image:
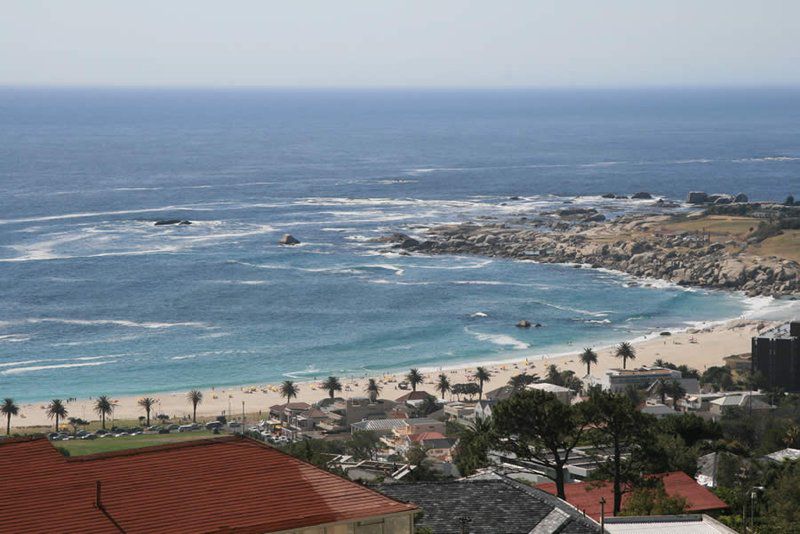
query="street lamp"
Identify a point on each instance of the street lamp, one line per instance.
(602, 514)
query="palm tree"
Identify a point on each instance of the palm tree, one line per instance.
(443, 385)
(414, 378)
(626, 351)
(147, 403)
(103, 406)
(333, 385)
(195, 397)
(56, 409)
(588, 356)
(520, 381)
(8, 408)
(481, 375)
(289, 390)
(373, 389)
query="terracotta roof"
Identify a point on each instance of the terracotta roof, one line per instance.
(423, 436)
(586, 497)
(229, 484)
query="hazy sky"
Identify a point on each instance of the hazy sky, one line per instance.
(423, 43)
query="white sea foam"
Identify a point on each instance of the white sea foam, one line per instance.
(34, 368)
(106, 322)
(502, 340)
(14, 338)
(479, 314)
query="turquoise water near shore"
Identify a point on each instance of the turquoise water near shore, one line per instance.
(96, 299)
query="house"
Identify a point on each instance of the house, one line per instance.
(617, 380)
(666, 524)
(739, 362)
(419, 425)
(288, 411)
(563, 394)
(586, 497)
(783, 455)
(657, 409)
(494, 504)
(357, 409)
(483, 409)
(437, 446)
(230, 484)
(459, 411)
(748, 403)
(414, 398)
(382, 427)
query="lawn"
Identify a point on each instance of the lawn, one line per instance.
(80, 447)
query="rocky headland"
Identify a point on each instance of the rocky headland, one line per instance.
(705, 248)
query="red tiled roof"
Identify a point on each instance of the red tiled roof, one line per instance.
(586, 497)
(423, 436)
(228, 484)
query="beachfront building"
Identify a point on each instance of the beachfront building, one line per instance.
(745, 402)
(230, 484)
(776, 356)
(381, 427)
(617, 380)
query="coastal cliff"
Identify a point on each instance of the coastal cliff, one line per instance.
(710, 251)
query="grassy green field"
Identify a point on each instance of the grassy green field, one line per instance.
(80, 447)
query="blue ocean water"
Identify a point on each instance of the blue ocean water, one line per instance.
(96, 299)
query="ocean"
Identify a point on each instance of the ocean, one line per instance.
(98, 300)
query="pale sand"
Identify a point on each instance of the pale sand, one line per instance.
(701, 349)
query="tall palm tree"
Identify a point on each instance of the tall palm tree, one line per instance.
(373, 389)
(333, 385)
(147, 403)
(103, 406)
(8, 408)
(195, 397)
(677, 392)
(626, 351)
(588, 356)
(56, 409)
(414, 378)
(289, 390)
(443, 385)
(481, 375)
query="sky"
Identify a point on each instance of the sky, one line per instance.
(394, 43)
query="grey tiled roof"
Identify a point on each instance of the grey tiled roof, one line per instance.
(494, 505)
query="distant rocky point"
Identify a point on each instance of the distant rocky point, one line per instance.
(289, 239)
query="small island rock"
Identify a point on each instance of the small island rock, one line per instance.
(289, 239)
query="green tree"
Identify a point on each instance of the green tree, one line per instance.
(195, 397)
(522, 380)
(363, 445)
(104, 407)
(443, 385)
(535, 425)
(76, 422)
(332, 385)
(9, 408)
(373, 389)
(474, 443)
(289, 390)
(588, 357)
(783, 498)
(654, 501)
(481, 375)
(617, 428)
(56, 410)
(417, 455)
(415, 378)
(626, 351)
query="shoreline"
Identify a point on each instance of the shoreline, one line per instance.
(696, 346)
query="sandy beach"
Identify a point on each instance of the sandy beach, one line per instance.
(699, 348)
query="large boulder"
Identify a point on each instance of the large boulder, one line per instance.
(289, 239)
(697, 197)
(167, 222)
(642, 195)
(524, 324)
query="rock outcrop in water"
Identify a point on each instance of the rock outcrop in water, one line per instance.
(167, 222)
(289, 239)
(686, 258)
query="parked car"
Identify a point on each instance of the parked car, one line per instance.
(213, 424)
